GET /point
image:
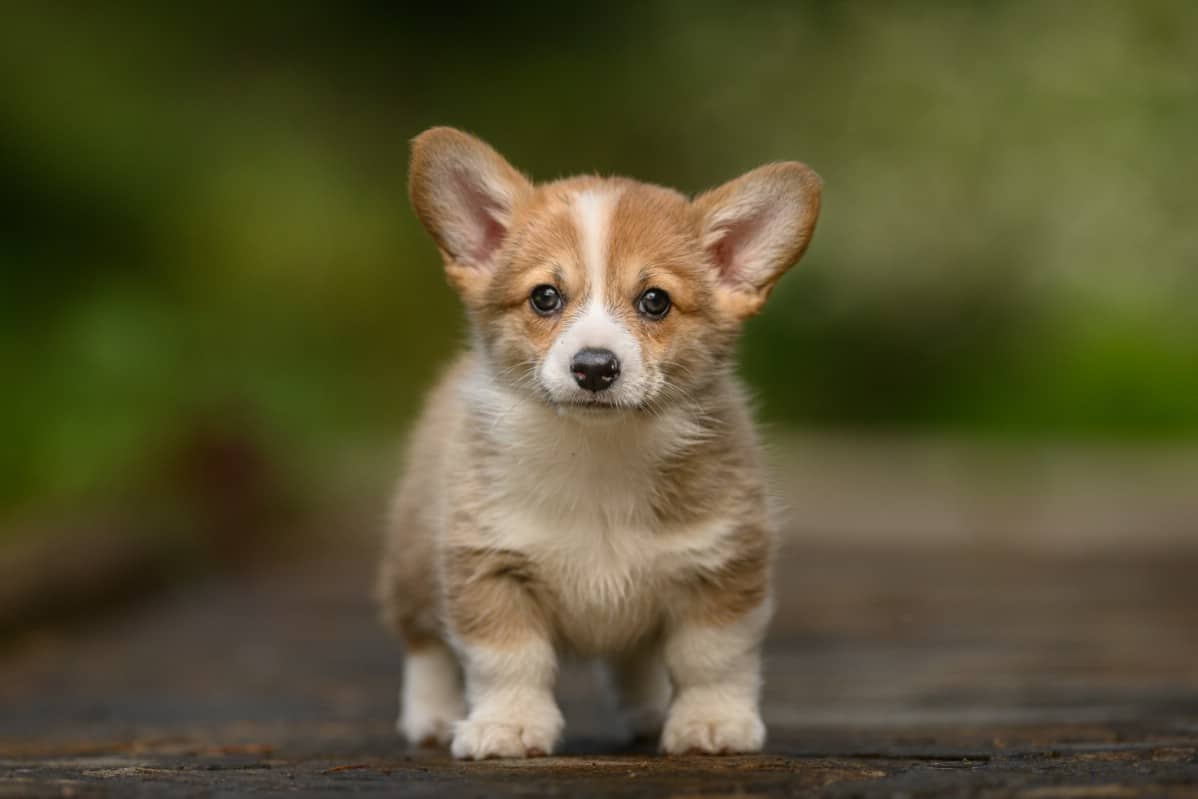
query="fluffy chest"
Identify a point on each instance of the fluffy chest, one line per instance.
(615, 473)
(608, 586)
(592, 489)
(600, 512)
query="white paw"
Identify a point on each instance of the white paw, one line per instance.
(714, 731)
(430, 701)
(426, 723)
(520, 734)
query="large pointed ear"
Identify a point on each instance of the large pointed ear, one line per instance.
(755, 228)
(465, 195)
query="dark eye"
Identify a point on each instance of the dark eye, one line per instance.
(654, 303)
(545, 299)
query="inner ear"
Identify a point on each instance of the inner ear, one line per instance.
(732, 246)
(487, 222)
(756, 227)
(466, 196)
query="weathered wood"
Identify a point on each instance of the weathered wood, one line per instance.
(888, 673)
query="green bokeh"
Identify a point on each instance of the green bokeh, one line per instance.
(205, 212)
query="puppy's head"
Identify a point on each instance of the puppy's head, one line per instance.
(606, 294)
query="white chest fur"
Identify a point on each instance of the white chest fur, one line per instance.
(576, 497)
(610, 584)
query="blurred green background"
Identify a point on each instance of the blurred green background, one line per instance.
(207, 254)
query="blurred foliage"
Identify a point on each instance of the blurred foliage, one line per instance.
(205, 215)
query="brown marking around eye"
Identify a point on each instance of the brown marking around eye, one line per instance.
(543, 240)
(654, 244)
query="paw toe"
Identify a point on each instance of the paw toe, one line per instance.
(711, 736)
(480, 740)
(433, 732)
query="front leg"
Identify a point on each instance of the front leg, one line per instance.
(502, 633)
(713, 653)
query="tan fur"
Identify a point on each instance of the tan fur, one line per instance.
(521, 522)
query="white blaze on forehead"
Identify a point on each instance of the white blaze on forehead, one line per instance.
(592, 214)
(595, 327)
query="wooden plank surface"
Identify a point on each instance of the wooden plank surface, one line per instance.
(889, 672)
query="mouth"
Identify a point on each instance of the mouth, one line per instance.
(591, 406)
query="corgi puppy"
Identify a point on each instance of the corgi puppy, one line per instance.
(586, 480)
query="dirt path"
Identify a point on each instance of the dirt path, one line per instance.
(887, 673)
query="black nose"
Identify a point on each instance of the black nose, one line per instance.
(595, 369)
